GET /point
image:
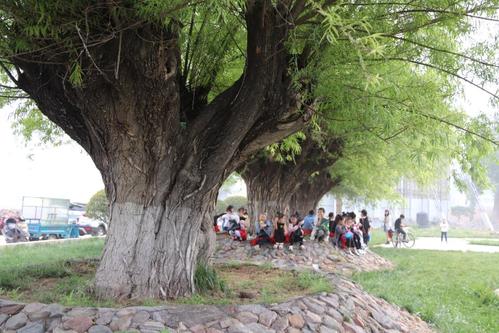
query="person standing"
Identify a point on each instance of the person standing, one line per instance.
(387, 226)
(444, 229)
(365, 225)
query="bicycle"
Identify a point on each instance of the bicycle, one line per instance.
(398, 239)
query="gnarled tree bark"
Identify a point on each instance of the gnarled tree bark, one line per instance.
(271, 184)
(162, 166)
(310, 192)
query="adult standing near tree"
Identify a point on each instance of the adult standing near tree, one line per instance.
(444, 229)
(366, 226)
(387, 224)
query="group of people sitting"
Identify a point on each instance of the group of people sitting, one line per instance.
(342, 230)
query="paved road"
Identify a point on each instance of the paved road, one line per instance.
(454, 244)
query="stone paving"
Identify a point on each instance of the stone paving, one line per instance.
(348, 309)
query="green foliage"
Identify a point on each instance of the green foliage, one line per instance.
(207, 280)
(451, 289)
(29, 122)
(98, 207)
(381, 76)
(236, 201)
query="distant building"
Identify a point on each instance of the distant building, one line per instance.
(433, 200)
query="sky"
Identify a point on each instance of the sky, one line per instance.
(65, 171)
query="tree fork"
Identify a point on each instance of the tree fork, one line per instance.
(161, 177)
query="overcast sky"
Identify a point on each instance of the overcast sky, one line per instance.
(59, 172)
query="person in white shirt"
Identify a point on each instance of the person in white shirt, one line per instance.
(444, 228)
(229, 220)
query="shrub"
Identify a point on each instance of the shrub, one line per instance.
(98, 207)
(207, 279)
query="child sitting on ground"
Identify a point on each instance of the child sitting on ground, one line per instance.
(263, 229)
(228, 221)
(322, 227)
(295, 232)
(239, 233)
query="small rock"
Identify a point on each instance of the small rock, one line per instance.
(152, 325)
(352, 328)
(296, 321)
(267, 318)
(11, 309)
(104, 318)
(53, 323)
(332, 323)
(254, 308)
(39, 315)
(32, 328)
(3, 318)
(121, 323)
(99, 329)
(293, 330)
(212, 330)
(314, 307)
(55, 310)
(141, 317)
(226, 323)
(61, 330)
(256, 327)
(496, 292)
(246, 317)
(382, 319)
(198, 329)
(280, 324)
(82, 312)
(33, 307)
(325, 329)
(312, 317)
(125, 312)
(17, 321)
(78, 324)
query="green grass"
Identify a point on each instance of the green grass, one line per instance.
(434, 231)
(452, 290)
(271, 285)
(63, 273)
(489, 242)
(21, 265)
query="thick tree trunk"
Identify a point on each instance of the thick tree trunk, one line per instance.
(271, 184)
(310, 192)
(268, 191)
(162, 156)
(151, 251)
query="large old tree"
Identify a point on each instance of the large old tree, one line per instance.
(368, 139)
(169, 97)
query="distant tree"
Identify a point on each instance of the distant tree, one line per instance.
(236, 201)
(98, 207)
